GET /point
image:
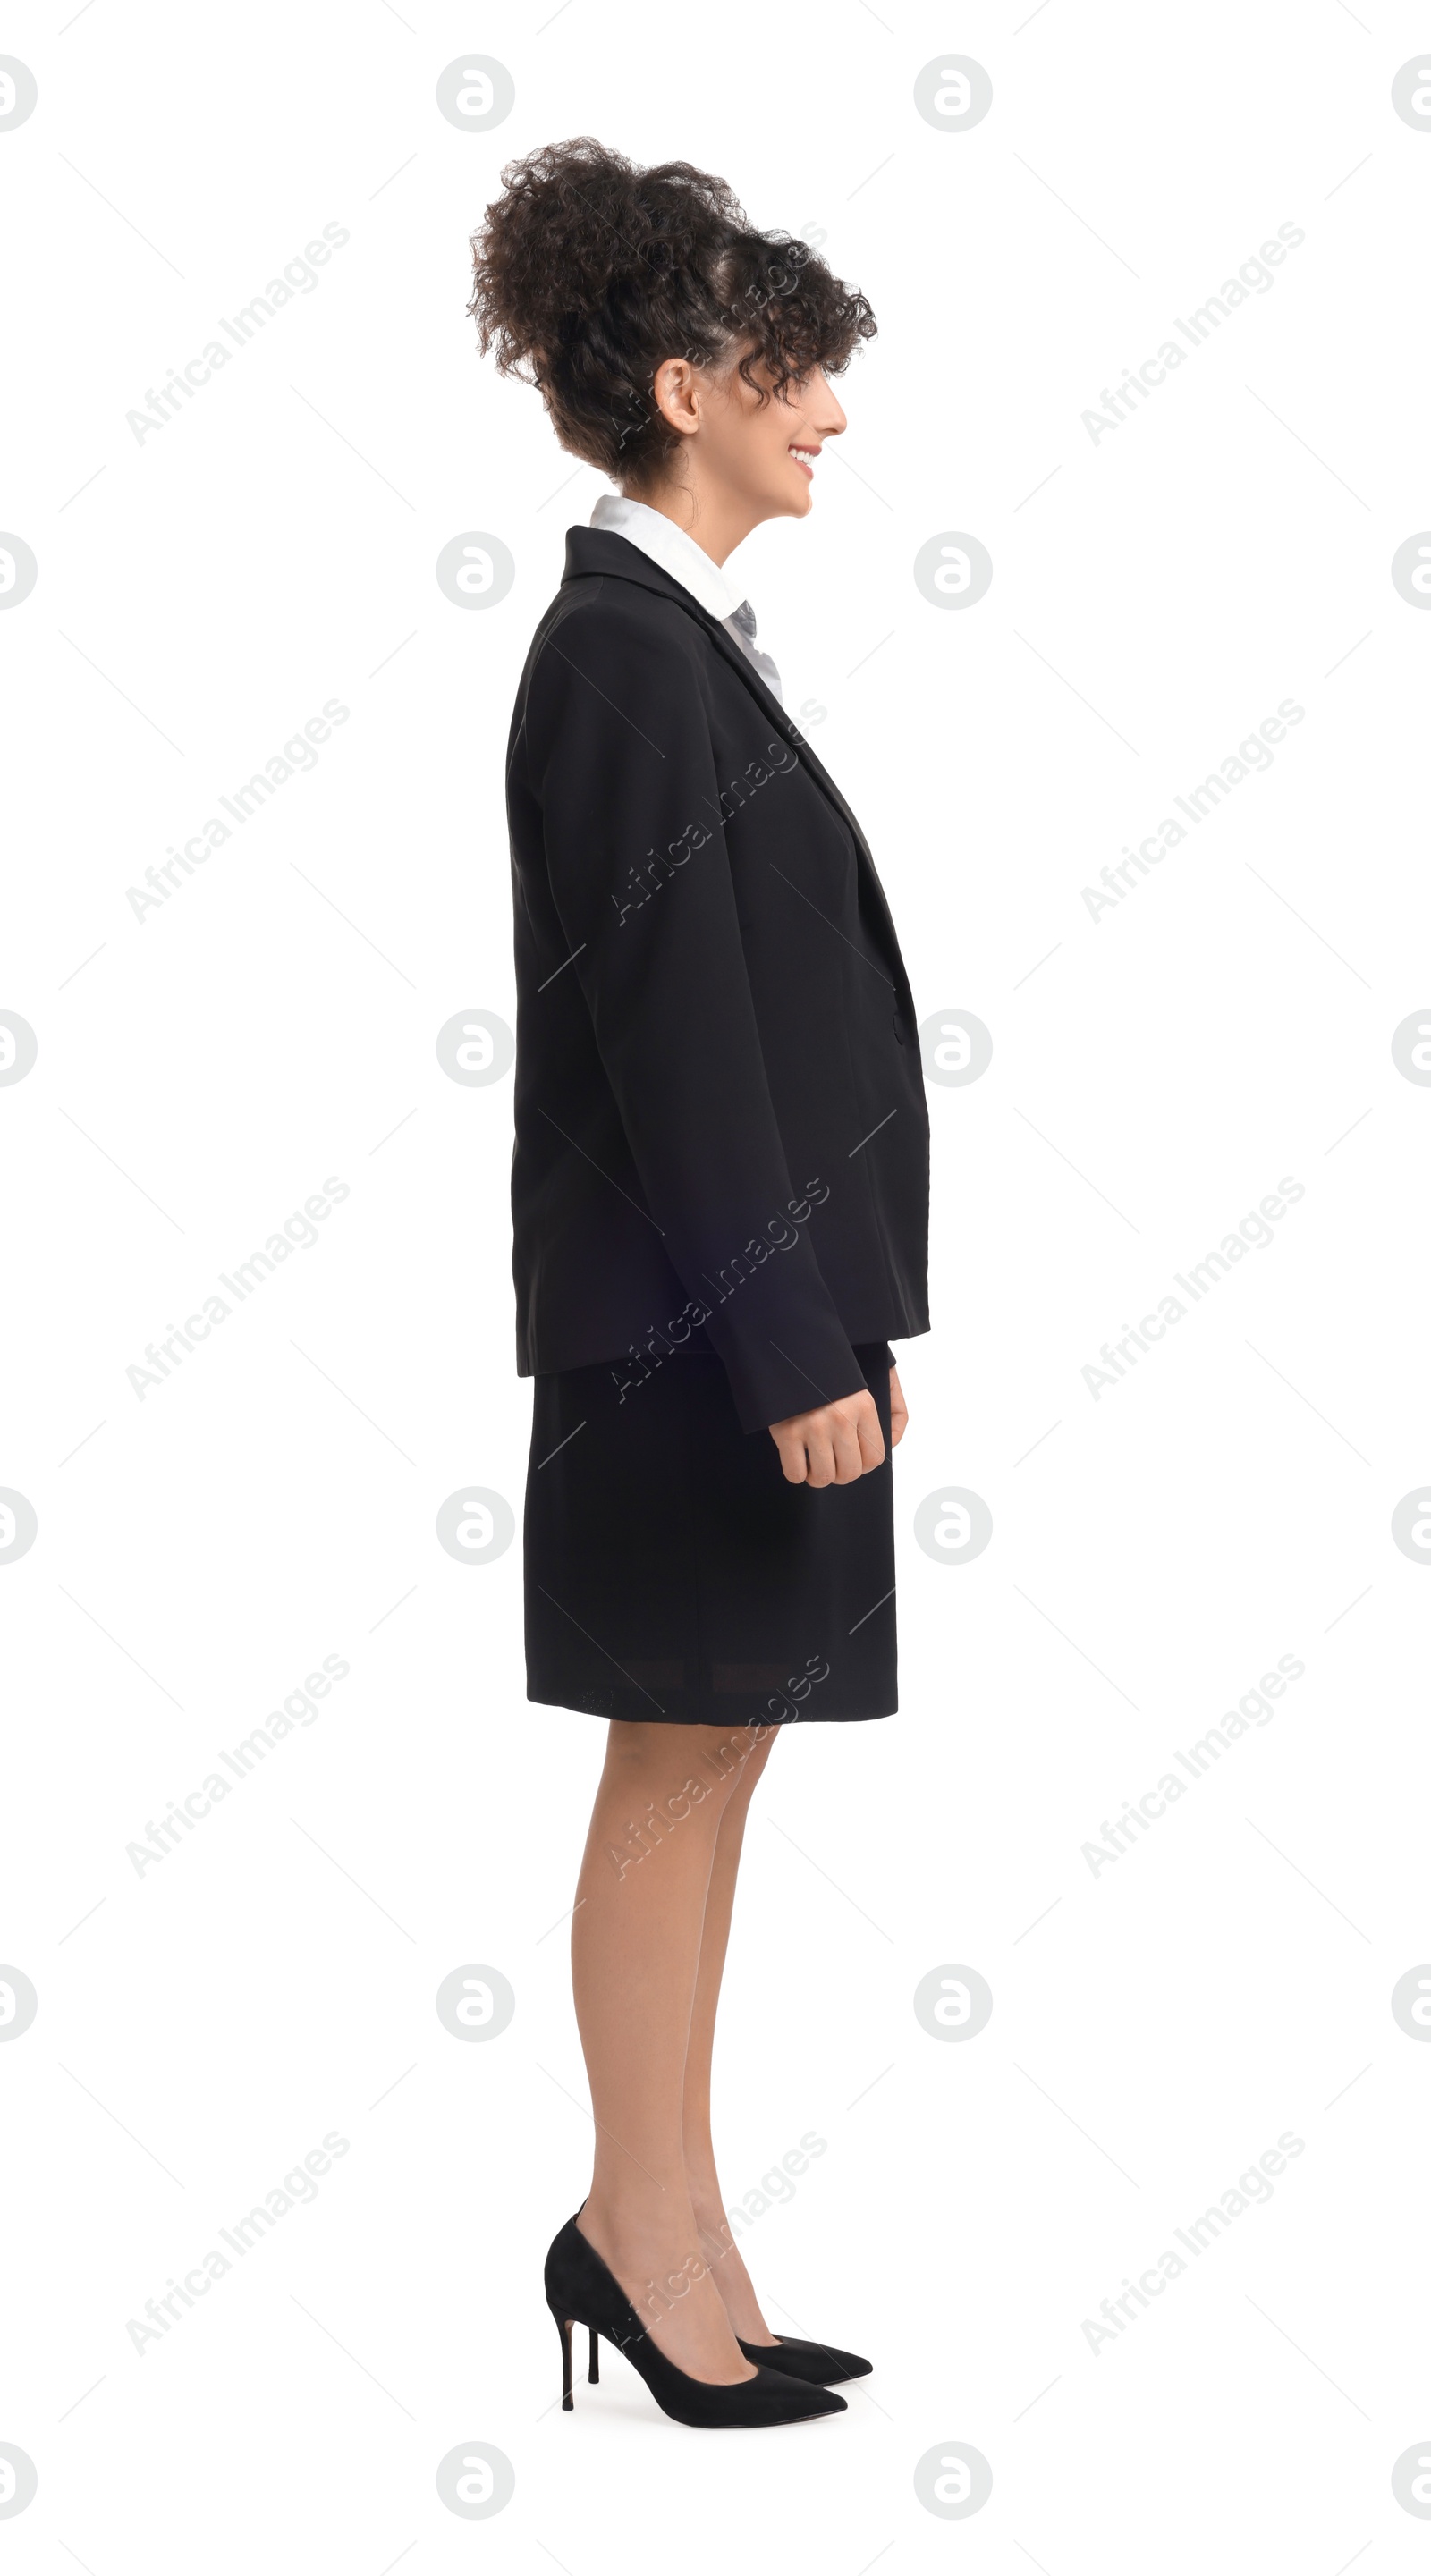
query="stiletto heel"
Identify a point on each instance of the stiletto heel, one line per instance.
(582, 2291)
(563, 2327)
(593, 2367)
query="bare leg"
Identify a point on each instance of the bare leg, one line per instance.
(636, 1945)
(721, 2252)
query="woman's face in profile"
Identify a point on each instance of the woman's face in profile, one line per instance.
(766, 453)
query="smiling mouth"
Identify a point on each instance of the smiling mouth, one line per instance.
(805, 458)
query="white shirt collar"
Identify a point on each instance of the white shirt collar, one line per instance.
(670, 547)
(695, 570)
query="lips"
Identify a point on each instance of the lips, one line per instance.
(805, 457)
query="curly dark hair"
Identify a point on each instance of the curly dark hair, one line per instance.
(589, 271)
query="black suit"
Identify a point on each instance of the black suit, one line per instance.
(720, 1113)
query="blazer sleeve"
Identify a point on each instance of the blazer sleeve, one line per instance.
(621, 761)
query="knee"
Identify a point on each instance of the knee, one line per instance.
(669, 1766)
(685, 1770)
(749, 1747)
(732, 1758)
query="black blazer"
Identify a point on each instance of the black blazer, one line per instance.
(721, 1130)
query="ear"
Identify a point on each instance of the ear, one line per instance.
(677, 395)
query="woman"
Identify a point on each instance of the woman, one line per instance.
(720, 1187)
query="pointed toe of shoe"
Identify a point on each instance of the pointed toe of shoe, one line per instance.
(819, 2364)
(791, 2400)
(833, 2405)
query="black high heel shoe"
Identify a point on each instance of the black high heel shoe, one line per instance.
(819, 2363)
(581, 2291)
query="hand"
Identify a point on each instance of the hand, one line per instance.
(898, 1410)
(834, 1445)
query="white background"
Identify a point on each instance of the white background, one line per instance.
(201, 593)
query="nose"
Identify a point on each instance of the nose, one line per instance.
(823, 406)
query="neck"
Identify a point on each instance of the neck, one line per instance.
(715, 520)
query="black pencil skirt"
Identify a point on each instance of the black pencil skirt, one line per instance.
(672, 1573)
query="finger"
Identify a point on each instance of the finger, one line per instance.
(792, 1457)
(871, 1441)
(848, 1453)
(821, 1457)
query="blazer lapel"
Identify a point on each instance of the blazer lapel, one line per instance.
(590, 551)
